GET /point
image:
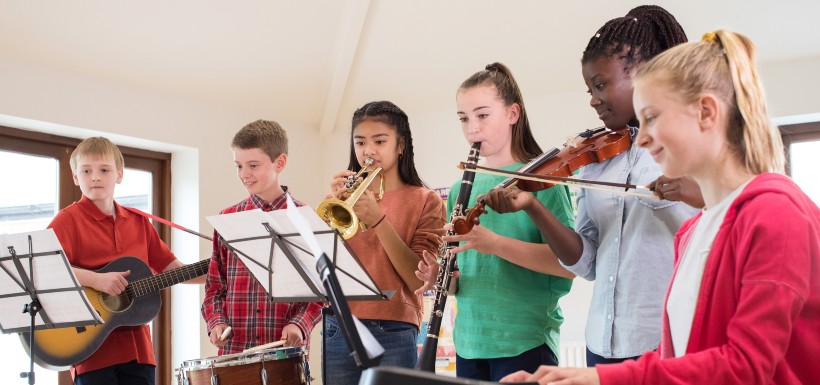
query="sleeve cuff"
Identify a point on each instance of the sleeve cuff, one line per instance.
(585, 267)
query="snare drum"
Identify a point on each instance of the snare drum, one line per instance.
(282, 366)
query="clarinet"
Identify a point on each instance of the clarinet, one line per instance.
(427, 357)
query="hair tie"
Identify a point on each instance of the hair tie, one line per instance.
(710, 37)
(713, 38)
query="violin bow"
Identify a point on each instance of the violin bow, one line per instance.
(572, 182)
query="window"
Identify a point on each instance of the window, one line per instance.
(29, 204)
(36, 164)
(802, 142)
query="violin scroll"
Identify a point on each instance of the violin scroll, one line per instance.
(463, 225)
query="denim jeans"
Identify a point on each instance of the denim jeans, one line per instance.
(493, 369)
(594, 359)
(397, 338)
(130, 373)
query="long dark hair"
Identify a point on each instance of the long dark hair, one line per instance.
(391, 115)
(524, 147)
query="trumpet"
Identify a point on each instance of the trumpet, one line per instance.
(339, 213)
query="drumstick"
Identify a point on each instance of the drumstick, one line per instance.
(265, 346)
(225, 333)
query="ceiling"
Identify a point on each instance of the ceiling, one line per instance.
(316, 60)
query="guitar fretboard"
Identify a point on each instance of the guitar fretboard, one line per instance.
(168, 278)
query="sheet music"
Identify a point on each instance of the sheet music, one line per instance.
(245, 232)
(304, 228)
(51, 273)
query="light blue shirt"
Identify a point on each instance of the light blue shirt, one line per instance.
(628, 252)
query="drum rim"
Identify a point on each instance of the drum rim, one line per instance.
(275, 354)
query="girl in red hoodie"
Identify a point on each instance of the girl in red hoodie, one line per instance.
(744, 303)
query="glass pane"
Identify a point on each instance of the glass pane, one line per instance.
(30, 201)
(135, 190)
(29, 204)
(804, 157)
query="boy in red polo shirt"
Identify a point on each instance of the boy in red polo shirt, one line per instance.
(94, 232)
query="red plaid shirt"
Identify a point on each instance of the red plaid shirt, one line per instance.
(234, 297)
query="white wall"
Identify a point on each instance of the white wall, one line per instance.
(790, 86)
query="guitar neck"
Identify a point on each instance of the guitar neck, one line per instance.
(168, 278)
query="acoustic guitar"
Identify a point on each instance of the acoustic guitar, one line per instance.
(138, 304)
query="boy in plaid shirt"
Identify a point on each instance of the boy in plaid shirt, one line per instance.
(233, 297)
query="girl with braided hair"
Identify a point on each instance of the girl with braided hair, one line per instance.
(510, 282)
(404, 219)
(623, 243)
(743, 305)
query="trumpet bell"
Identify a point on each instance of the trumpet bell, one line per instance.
(339, 216)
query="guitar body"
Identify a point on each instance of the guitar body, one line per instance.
(58, 349)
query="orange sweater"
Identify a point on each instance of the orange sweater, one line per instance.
(417, 214)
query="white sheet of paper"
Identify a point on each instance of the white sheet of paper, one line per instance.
(238, 228)
(304, 228)
(51, 272)
(371, 345)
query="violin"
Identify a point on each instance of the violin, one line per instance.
(591, 146)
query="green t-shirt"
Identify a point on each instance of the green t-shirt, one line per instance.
(504, 309)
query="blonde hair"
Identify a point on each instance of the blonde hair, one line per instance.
(723, 63)
(98, 146)
(265, 135)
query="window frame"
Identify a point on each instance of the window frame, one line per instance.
(158, 164)
(798, 133)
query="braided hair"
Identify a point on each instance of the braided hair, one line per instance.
(391, 115)
(524, 147)
(644, 32)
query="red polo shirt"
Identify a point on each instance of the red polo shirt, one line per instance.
(91, 239)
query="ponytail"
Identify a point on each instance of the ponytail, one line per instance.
(524, 147)
(723, 63)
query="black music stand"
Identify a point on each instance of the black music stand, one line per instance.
(269, 245)
(45, 288)
(284, 243)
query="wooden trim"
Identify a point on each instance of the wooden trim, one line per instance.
(797, 133)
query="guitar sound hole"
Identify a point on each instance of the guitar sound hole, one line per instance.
(116, 303)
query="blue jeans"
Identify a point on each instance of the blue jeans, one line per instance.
(129, 373)
(397, 338)
(594, 359)
(493, 369)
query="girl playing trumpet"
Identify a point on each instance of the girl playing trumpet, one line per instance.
(403, 219)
